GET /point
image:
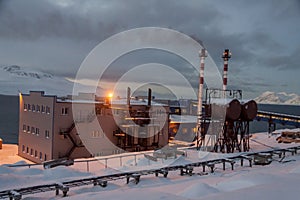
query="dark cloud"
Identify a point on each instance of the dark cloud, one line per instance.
(55, 36)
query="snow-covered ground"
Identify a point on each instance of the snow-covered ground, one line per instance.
(279, 180)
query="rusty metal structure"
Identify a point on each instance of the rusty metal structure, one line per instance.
(224, 124)
(229, 119)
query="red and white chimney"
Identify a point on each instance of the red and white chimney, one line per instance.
(226, 55)
(202, 55)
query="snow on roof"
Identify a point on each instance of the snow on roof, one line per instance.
(135, 102)
(220, 101)
(183, 119)
(60, 100)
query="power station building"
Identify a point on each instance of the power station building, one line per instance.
(50, 129)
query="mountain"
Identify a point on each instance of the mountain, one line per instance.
(15, 79)
(278, 98)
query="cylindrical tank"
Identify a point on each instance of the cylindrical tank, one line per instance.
(249, 110)
(233, 110)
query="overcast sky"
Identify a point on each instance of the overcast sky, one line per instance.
(55, 36)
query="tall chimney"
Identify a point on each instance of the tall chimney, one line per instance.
(128, 96)
(226, 55)
(202, 55)
(149, 96)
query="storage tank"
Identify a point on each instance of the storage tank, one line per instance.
(249, 110)
(233, 110)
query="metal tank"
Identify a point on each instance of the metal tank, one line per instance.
(233, 110)
(249, 110)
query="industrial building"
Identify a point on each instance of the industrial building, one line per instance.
(86, 125)
(50, 129)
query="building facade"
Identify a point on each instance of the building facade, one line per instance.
(84, 126)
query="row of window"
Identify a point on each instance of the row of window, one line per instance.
(36, 108)
(34, 153)
(97, 134)
(34, 130)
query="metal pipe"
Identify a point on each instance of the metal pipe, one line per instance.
(128, 96)
(149, 96)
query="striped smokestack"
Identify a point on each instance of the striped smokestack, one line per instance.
(226, 55)
(202, 55)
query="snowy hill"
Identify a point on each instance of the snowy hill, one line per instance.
(278, 98)
(15, 79)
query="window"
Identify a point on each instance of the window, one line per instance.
(24, 128)
(98, 111)
(47, 109)
(38, 108)
(47, 134)
(29, 107)
(28, 129)
(45, 157)
(23, 148)
(31, 152)
(25, 107)
(195, 130)
(43, 109)
(95, 134)
(32, 130)
(184, 130)
(37, 131)
(35, 153)
(33, 108)
(27, 150)
(64, 111)
(41, 156)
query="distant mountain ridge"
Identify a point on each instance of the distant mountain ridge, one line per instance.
(15, 79)
(278, 98)
(14, 69)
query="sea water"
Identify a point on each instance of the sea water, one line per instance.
(9, 119)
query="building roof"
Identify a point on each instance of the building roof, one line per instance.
(135, 102)
(60, 100)
(183, 119)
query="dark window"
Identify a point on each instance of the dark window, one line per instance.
(47, 134)
(43, 109)
(38, 108)
(32, 130)
(37, 131)
(64, 111)
(47, 109)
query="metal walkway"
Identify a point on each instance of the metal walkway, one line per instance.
(186, 169)
(278, 118)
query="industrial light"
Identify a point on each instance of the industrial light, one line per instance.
(110, 95)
